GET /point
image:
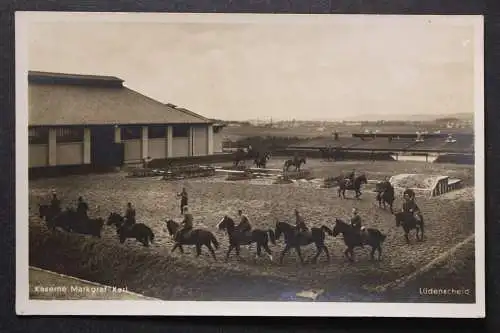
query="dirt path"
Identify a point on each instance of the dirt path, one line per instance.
(449, 221)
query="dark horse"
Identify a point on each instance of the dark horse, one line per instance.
(242, 155)
(355, 186)
(261, 161)
(385, 195)
(296, 162)
(294, 239)
(139, 231)
(65, 219)
(408, 221)
(353, 238)
(197, 237)
(238, 238)
(47, 212)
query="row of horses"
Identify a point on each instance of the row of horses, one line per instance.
(68, 221)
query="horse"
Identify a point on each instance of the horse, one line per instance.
(353, 238)
(47, 212)
(66, 220)
(409, 222)
(385, 195)
(197, 237)
(294, 239)
(139, 231)
(90, 226)
(238, 238)
(297, 162)
(261, 161)
(355, 186)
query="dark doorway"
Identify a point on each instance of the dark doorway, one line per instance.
(105, 152)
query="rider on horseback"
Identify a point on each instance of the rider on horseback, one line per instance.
(186, 225)
(410, 206)
(55, 203)
(350, 178)
(356, 221)
(244, 225)
(130, 214)
(300, 225)
(82, 208)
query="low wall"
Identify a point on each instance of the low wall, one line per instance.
(66, 170)
(467, 159)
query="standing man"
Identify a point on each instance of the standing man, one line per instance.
(184, 199)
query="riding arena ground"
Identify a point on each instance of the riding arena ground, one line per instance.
(155, 272)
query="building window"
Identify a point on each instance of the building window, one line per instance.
(69, 134)
(157, 132)
(180, 131)
(38, 135)
(131, 132)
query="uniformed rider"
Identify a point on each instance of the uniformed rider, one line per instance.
(300, 225)
(82, 208)
(130, 214)
(55, 203)
(356, 220)
(409, 204)
(186, 224)
(244, 225)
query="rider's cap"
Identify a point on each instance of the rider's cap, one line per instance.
(354, 210)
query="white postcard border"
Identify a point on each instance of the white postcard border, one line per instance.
(25, 306)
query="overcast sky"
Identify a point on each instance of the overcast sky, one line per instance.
(294, 68)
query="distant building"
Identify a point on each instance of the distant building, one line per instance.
(88, 119)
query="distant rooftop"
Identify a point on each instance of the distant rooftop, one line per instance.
(39, 77)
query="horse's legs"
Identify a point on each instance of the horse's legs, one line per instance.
(181, 248)
(198, 250)
(372, 254)
(268, 250)
(299, 253)
(346, 253)
(379, 248)
(176, 245)
(237, 248)
(325, 249)
(319, 248)
(421, 232)
(211, 249)
(229, 251)
(406, 237)
(351, 251)
(259, 251)
(285, 250)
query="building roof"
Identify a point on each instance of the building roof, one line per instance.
(71, 99)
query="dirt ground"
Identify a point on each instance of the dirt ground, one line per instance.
(450, 219)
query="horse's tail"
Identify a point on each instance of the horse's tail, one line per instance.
(151, 235)
(214, 241)
(327, 230)
(272, 236)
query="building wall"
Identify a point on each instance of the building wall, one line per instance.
(73, 153)
(180, 147)
(200, 136)
(132, 150)
(69, 153)
(38, 155)
(157, 148)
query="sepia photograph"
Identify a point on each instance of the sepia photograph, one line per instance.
(249, 165)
